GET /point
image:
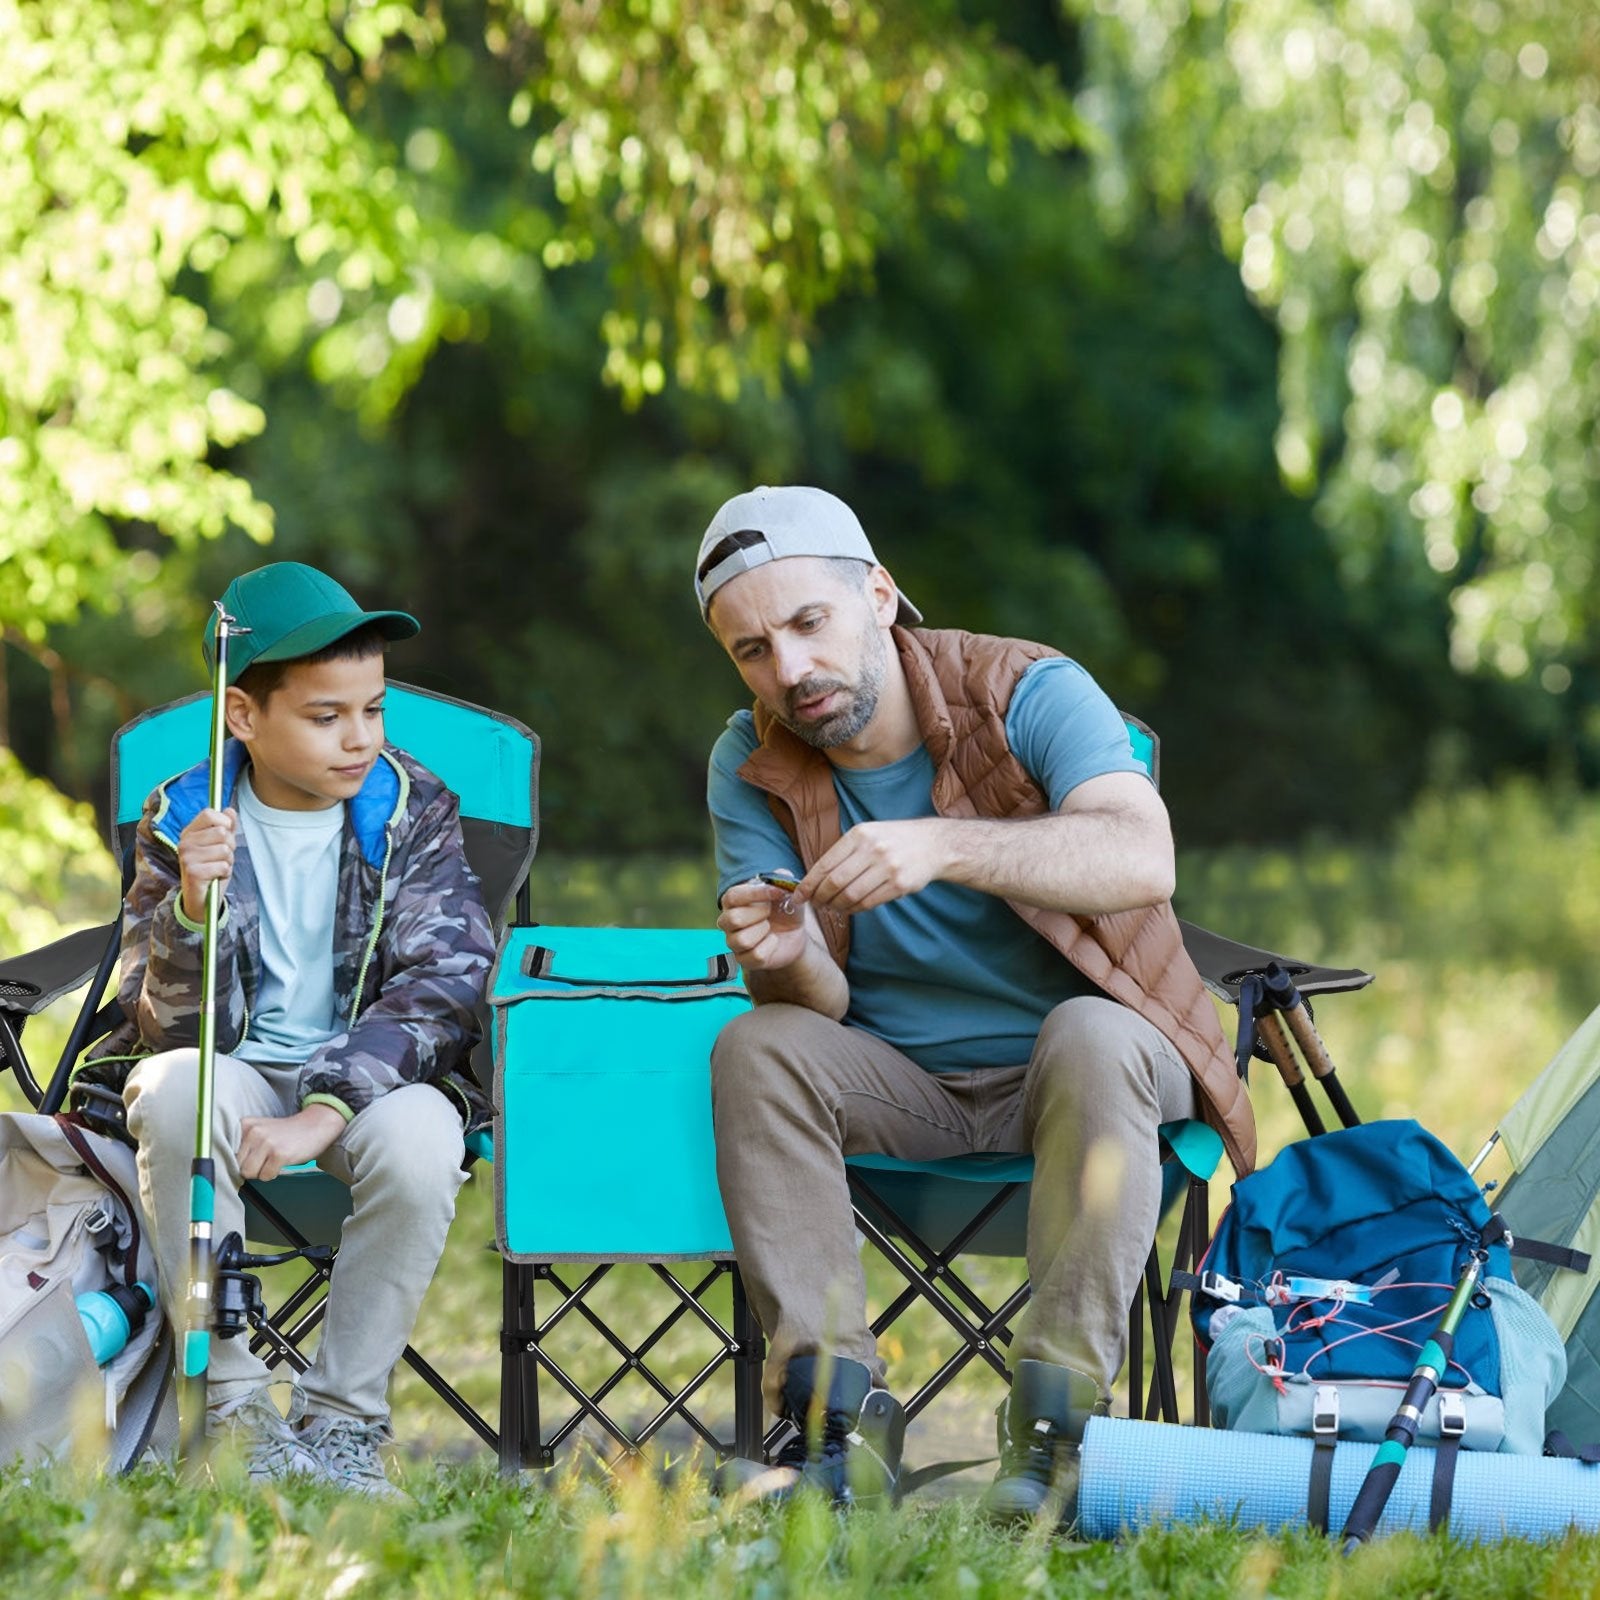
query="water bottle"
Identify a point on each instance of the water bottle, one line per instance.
(112, 1316)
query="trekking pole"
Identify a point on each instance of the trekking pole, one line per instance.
(1432, 1364)
(1291, 1003)
(196, 1346)
(1271, 1032)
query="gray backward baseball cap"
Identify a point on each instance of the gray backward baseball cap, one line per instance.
(769, 524)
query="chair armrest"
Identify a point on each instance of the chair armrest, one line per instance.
(1224, 964)
(29, 983)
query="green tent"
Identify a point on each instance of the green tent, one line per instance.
(1552, 1136)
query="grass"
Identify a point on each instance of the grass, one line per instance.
(636, 1537)
(1480, 917)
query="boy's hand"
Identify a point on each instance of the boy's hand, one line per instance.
(764, 926)
(205, 855)
(269, 1144)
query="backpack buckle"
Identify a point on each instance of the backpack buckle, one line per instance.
(1452, 1414)
(1325, 1410)
(1219, 1287)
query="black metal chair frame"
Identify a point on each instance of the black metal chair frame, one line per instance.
(984, 1332)
(525, 1333)
(1273, 987)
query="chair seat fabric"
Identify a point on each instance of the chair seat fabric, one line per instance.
(1195, 1144)
(307, 1198)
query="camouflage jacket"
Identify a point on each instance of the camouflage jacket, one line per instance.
(411, 946)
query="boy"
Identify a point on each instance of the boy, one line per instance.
(351, 957)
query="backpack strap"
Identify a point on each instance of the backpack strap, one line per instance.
(1211, 1283)
(1558, 1444)
(1324, 1439)
(1555, 1255)
(147, 1416)
(1452, 1428)
(85, 1152)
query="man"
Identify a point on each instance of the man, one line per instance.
(979, 957)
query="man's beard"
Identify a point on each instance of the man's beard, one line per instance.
(859, 699)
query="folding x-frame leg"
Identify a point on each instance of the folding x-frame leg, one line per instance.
(525, 1356)
(984, 1332)
(1159, 1402)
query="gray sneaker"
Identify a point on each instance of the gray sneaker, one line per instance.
(345, 1450)
(256, 1431)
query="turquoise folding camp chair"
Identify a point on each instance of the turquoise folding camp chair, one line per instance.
(490, 761)
(611, 1029)
(924, 1217)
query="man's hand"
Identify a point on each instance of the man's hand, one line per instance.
(761, 934)
(1107, 848)
(876, 862)
(269, 1144)
(205, 855)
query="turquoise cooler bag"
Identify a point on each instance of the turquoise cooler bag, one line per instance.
(602, 1050)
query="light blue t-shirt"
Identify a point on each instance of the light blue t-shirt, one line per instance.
(295, 855)
(952, 977)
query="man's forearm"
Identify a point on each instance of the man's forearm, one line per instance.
(1088, 862)
(814, 981)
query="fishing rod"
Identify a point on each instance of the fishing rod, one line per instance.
(196, 1345)
(1432, 1364)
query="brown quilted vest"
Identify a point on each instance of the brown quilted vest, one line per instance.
(961, 686)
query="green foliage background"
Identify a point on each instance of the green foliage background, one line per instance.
(1245, 352)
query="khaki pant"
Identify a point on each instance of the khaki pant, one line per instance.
(794, 1093)
(401, 1158)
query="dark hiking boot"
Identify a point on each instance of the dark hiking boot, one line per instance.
(846, 1443)
(1041, 1425)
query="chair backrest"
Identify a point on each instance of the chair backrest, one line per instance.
(491, 761)
(1146, 746)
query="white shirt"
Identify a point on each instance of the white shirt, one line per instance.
(296, 859)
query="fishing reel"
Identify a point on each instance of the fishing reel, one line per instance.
(236, 1291)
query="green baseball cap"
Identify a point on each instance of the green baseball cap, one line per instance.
(289, 610)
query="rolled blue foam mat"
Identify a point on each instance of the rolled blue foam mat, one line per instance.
(1134, 1474)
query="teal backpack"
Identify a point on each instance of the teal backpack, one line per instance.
(1329, 1270)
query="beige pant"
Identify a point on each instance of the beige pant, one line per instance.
(401, 1158)
(794, 1093)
